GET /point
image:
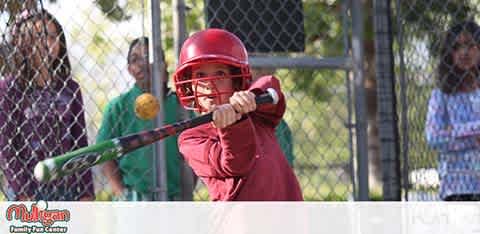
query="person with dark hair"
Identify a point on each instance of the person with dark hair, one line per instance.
(132, 177)
(453, 118)
(42, 112)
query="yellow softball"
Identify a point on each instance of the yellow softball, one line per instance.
(146, 106)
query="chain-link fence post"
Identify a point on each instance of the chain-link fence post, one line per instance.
(387, 111)
(157, 77)
(360, 99)
(403, 102)
(179, 35)
(348, 84)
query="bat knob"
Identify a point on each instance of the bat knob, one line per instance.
(274, 95)
(41, 172)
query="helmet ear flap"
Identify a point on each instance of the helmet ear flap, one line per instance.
(183, 87)
(186, 87)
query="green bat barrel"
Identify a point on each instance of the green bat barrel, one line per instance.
(53, 168)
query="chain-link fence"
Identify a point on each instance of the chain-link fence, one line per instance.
(49, 107)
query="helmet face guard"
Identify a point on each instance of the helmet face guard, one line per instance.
(187, 87)
(211, 46)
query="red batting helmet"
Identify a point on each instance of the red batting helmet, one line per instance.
(210, 46)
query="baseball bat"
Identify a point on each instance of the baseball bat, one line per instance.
(89, 156)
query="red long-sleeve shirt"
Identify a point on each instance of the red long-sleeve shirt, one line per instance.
(243, 162)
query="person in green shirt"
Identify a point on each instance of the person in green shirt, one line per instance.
(285, 139)
(132, 177)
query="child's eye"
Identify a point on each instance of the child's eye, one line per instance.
(199, 75)
(52, 36)
(458, 46)
(220, 73)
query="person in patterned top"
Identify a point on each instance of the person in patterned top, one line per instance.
(453, 118)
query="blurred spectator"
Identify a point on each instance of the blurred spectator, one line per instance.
(42, 111)
(453, 119)
(132, 177)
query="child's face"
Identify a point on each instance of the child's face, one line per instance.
(465, 53)
(204, 88)
(42, 40)
(138, 66)
(53, 38)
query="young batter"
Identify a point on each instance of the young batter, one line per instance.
(237, 156)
